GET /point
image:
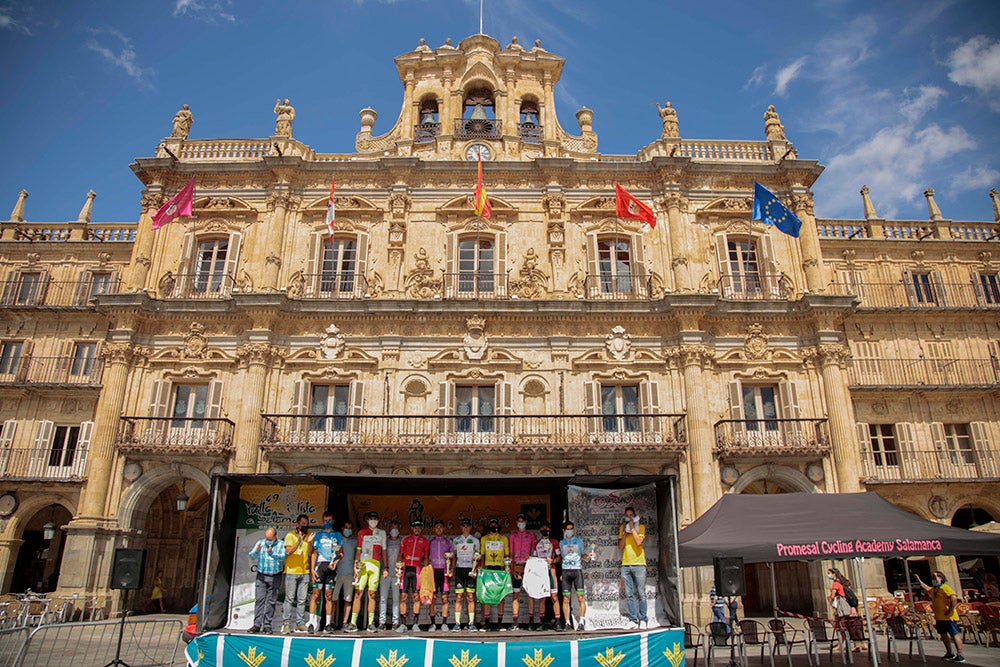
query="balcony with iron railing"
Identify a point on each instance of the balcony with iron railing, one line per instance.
(196, 286)
(474, 285)
(36, 290)
(929, 463)
(925, 296)
(478, 128)
(530, 133)
(43, 464)
(171, 435)
(529, 434)
(924, 373)
(54, 371)
(618, 287)
(425, 132)
(771, 437)
(754, 287)
(347, 285)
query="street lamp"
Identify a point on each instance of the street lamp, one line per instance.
(49, 529)
(182, 497)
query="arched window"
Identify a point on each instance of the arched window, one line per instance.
(529, 124)
(617, 267)
(478, 119)
(477, 267)
(429, 125)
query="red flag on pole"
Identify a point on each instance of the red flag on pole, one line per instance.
(331, 212)
(481, 203)
(630, 208)
(181, 204)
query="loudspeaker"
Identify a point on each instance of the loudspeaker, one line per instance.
(127, 572)
(729, 578)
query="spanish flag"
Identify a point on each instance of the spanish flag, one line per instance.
(331, 209)
(481, 203)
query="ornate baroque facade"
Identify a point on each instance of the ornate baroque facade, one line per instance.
(550, 339)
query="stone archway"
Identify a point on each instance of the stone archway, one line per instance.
(794, 581)
(37, 562)
(173, 538)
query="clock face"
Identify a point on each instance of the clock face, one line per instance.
(475, 151)
(8, 503)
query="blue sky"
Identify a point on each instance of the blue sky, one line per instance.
(900, 95)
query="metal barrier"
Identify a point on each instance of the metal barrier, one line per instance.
(12, 641)
(146, 642)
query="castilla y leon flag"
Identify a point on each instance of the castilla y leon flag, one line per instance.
(630, 208)
(181, 204)
(481, 203)
(331, 212)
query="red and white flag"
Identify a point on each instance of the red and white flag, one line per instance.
(180, 205)
(630, 208)
(331, 210)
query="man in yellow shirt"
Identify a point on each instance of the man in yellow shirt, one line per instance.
(944, 603)
(496, 556)
(631, 535)
(298, 546)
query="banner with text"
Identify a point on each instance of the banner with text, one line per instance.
(597, 514)
(659, 648)
(262, 507)
(451, 509)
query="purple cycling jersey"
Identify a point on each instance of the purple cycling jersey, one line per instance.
(439, 547)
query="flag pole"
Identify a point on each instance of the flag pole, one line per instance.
(480, 17)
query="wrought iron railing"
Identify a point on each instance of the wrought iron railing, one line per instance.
(423, 132)
(474, 285)
(196, 286)
(205, 436)
(84, 371)
(923, 372)
(766, 437)
(478, 128)
(755, 287)
(44, 463)
(530, 133)
(346, 285)
(929, 295)
(37, 290)
(627, 286)
(929, 463)
(531, 433)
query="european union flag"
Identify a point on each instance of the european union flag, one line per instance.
(769, 208)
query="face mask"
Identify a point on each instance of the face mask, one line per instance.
(372, 523)
(568, 533)
(328, 525)
(494, 528)
(829, 576)
(544, 532)
(394, 532)
(303, 529)
(347, 532)
(521, 525)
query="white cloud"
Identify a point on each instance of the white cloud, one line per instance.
(210, 10)
(756, 77)
(975, 177)
(787, 74)
(976, 63)
(118, 51)
(8, 21)
(917, 106)
(895, 163)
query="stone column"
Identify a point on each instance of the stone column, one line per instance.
(812, 256)
(254, 359)
(675, 204)
(142, 249)
(846, 456)
(704, 476)
(278, 203)
(8, 559)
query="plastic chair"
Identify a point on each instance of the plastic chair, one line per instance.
(98, 608)
(787, 636)
(720, 635)
(854, 629)
(755, 634)
(693, 638)
(820, 632)
(35, 612)
(898, 630)
(970, 628)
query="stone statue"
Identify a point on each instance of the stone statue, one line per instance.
(773, 129)
(668, 115)
(286, 114)
(182, 123)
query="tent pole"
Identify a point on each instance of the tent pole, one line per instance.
(858, 562)
(909, 588)
(774, 592)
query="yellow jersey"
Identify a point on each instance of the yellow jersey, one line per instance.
(297, 561)
(633, 553)
(495, 548)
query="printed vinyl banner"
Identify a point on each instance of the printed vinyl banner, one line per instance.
(658, 648)
(263, 507)
(597, 514)
(451, 509)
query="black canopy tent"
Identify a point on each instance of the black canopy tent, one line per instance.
(821, 526)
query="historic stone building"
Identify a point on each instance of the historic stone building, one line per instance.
(550, 339)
